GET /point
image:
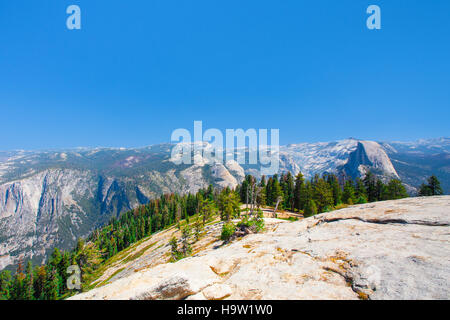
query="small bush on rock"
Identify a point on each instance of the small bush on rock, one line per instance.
(228, 230)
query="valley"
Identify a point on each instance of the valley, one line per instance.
(50, 198)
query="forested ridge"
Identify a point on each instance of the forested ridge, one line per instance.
(285, 192)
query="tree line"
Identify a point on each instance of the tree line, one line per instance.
(321, 193)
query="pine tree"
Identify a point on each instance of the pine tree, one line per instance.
(348, 195)
(164, 217)
(88, 256)
(276, 190)
(244, 190)
(52, 285)
(207, 210)
(174, 249)
(323, 195)
(370, 186)
(380, 190)
(262, 183)
(395, 190)
(299, 191)
(435, 186)
(424, 190)
(29, 278)
(199, 226)
(288, 191)
(62, 269)
(261, 199)
(229, 207)
(310, 208)
(5, 285)
(18, 291)
(186, 248)
(335, 188)
(269, 200)
(360, 191)
(40, 282)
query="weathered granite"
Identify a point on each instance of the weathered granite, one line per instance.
(386, 250)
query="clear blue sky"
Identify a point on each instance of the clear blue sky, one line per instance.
(139, 69)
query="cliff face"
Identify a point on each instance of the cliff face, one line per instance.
(36, 211)
(349, 157)
(54, 207)
(368, 156)
(386, 250)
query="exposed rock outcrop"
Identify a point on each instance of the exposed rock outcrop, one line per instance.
(386, 250)
(369, 156)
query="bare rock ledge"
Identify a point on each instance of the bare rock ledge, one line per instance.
(386, 250)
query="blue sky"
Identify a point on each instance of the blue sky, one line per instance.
(137, 70)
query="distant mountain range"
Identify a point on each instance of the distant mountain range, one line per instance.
(50, 198)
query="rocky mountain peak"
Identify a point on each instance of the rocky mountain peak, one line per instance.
(369, 156)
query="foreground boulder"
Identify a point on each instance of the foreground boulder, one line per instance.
(387, 250)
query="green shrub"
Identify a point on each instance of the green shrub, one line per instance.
(256, 224)
(176, 254)
(361, 200)
(228, 229)
(310, 208)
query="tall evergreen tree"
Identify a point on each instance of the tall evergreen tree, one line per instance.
(335, 188)
(299, 190)
(433, 188)
(360, 191)
(370, 183)
(310, 208)
(40, 282)
(348, 195)
(52, 283)
(269, 199)
(395, 190)
(288, 191)
(276, 190)
(18, 291)
(29, 282)
(380, 190)
(5, 285)
(323, 195)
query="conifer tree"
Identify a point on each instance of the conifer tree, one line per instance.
(370, 186)
(276, 190)
(288, 191)
(186, 248)
(51, 288)
(380, 190)
(360, 191)
(18, 291)
(348, 195)
(335, 188)
(229, 207)
(323, 195)
(395, 190)
(433, 188)
(299, 191)
(244, 190)
(40, 282)
(310, 208)
(5, 285)
(29, 281)
(269, 199)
